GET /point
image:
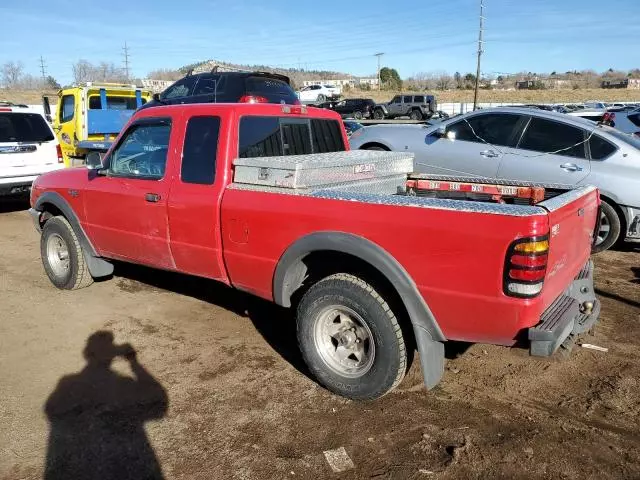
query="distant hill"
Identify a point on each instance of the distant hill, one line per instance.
(296, 75)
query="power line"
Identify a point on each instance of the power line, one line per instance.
(126, 60)
(42, 68)
(480, 35)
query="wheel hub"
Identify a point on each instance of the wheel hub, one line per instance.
(58, 255)
(344, 341)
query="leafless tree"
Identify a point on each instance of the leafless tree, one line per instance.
(11, 73)
(165, 74)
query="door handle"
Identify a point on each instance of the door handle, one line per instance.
(488, 153)
(152, 197)
(571, 167)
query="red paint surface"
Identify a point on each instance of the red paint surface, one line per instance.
(236, 236)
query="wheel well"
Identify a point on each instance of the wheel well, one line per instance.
(49, 210)
(374, 144)
(321, 264)
(620, 213)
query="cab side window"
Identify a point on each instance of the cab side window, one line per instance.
(67, 108)
(200, 149)
(142, 152)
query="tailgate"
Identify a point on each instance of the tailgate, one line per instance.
(572, 220)
(25, 159)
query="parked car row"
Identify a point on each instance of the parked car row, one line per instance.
(531, 145)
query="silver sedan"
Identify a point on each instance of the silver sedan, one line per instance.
(528, 145)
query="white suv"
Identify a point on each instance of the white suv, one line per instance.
(28, 147)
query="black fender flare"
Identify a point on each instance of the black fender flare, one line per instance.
(290, 273)
(98, 267)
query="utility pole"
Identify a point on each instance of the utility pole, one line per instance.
(42, 69)
(480, 51)
(126, 60)
(379, 55)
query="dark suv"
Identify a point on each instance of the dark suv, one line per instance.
(357, 108)
(228, 87)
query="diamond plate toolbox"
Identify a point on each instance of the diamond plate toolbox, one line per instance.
(321, 170)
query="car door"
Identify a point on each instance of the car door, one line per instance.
(549, 151)
(194, 201)
(126, 203)
(395, 105)
(407, 103)
(473, 145)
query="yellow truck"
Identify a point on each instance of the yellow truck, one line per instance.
(89, 116)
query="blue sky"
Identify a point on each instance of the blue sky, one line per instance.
(416, 36)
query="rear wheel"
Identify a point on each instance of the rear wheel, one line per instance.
(415, 115)
(321, 98)
(609, 231)
(62, 255)
(350, 339)
(357, 115)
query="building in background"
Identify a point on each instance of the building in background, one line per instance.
(628, 83)
(156, 86)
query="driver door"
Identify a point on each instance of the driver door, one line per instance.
(126, 209)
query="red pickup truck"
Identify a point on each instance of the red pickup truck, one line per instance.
(268, 199)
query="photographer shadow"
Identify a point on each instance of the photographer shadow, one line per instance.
(97, 418)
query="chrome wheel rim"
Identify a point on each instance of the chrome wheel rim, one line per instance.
(604, 230)
(344, 341)
(58, 255)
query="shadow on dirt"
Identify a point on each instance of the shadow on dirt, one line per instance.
(97, 418)
(619, 298)
(13, 204)
(275, 324)
(636, 275)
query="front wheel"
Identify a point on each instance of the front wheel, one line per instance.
(378, 114)
(609, 231)
(357, 115)
(321, 98)
(62, 255)
(350, 338)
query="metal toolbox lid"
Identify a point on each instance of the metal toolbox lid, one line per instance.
(322, 169)
(324, 160)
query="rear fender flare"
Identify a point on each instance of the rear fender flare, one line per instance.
(98, 267)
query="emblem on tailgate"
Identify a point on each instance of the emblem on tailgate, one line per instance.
(364, 168)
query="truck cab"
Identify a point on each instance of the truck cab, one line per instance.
(90, 116)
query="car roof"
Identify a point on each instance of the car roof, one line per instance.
(242, 108)
(558, 116)
(241, 74)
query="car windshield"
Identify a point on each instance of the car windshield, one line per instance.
(623, 137)
(24, 127)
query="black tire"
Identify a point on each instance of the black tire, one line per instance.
(57, 232)
(610, 220)
(357, 115)
(386, 362)
(321, 98)
(415, 115)
(378, 114)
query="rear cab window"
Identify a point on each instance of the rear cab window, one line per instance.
(114, 102)
(275, 136)
(272, 88)
(200, 150)
(24, 127)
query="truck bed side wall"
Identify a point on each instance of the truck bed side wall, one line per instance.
(456, 258)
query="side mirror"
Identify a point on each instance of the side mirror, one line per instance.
(93, 160)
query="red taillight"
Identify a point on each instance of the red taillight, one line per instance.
(253, 99)
(5, 110)
(59, 152)
(526, 266)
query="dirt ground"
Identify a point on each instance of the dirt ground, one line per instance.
(225, 394)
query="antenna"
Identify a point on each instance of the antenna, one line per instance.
(480, 51)
(379, 55)
(125, 49)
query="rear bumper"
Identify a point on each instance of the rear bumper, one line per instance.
(574, 312)
(16, 186)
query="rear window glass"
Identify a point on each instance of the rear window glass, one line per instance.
(623, 137)
(418, 99)
(24, 127)
(274, 136)
(600, 148)
(209, 85)
(114, 103)
(181, 88)
(267, 85)
(547, 136)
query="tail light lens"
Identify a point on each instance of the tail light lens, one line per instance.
(253, 99)
(59, 152)
(526, 267)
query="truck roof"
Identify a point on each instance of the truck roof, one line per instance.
(268, 109)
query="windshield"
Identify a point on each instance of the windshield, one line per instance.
(24, 127)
